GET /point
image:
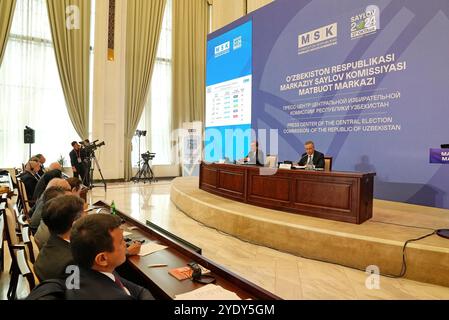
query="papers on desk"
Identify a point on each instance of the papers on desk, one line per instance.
(150, 248)
(208, 292)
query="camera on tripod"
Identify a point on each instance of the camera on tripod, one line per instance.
(147, 156)
(141, 133)
(90, 148)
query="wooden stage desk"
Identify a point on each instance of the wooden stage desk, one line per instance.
(341, 196)
(160, 282)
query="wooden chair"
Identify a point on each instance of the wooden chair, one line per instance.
(327, 163)
(22, 255)
(26, 204)
(24, 232)
(2, 235)
(23, 275)
(15, 245)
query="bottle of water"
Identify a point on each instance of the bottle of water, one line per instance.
(113, 208)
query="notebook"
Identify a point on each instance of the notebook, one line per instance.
(181, 273)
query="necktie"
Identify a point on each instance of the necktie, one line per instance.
(119, 283)
(310, 160)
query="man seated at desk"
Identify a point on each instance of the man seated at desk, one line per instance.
(311, 156)
(98, 248)
(255, 155)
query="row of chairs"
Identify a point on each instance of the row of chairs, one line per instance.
(14, 228)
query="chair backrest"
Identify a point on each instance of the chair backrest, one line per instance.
(28, 241)
(25, 272)
(23, 196)
(10, 228)
(2, 227)
(327, 163)
(271, 161)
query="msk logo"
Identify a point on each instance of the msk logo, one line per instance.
(222, 49)
(318, 35)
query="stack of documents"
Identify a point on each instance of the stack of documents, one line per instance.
(208, 292)
(150, 248)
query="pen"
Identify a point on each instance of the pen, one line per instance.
(157, 265)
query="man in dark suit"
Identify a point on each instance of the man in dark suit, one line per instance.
(311, 156)
(59, 214)
(54, 172)
(77, 157)
(30, 177)
(98, 248)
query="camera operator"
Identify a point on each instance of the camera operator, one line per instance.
(77, 160)
(87, 162)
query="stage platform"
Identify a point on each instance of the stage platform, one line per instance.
(378, 241)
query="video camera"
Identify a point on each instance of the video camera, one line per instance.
(147, 156)
(90, 148)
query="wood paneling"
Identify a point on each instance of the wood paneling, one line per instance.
(270, 188)
(230, 181)
(341, 196)
(332, 195)
(209, 177)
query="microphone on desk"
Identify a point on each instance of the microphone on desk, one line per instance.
(303, 158)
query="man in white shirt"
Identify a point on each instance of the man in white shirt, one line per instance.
(311, 156)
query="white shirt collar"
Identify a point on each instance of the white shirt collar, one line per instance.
(109, 275)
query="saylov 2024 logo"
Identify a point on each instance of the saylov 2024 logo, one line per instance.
(365, 23)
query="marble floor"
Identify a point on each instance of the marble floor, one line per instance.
(287, 276)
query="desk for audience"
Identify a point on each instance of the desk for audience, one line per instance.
(340, 196)
(6, 182)
(165, 286)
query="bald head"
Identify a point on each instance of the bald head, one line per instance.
(61, 183)
(55, 166)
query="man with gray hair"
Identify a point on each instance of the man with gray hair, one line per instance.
(311, 157)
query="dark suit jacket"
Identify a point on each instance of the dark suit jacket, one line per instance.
(318, 159)
(30, 182)
(96, 286)
(43, 182)
(53, 259)
(74, 158)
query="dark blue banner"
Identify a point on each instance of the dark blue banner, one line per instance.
(367, 81)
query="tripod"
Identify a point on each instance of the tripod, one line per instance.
(145, 173)
(92, 162)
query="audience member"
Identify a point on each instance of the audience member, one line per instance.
(98, 248)
(59, 214)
